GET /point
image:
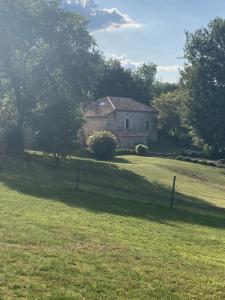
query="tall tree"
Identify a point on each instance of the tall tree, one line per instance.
(160, 88)
(120, 82)
(170, 114)
(57, 127)
(115, 81)
(46, 54)
(204, 79)
(144, 79)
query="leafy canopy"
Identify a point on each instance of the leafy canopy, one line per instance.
(47, 59)
(170, 114)
(120, 82)
(204, 79)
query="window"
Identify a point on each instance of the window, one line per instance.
(147, 125)
(127, 124)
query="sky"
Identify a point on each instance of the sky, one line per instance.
(138, 31)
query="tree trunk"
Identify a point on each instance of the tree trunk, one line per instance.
(20, 139)
(20, 113)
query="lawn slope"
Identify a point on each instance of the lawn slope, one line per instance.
(116, 238)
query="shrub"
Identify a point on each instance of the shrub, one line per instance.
(141, 149)
(180, 157)
(102, 144)
(211, 153)
(195, 154)
(211, 164)
(196, 161)
(187, 159)
(221, 161)
(182, 153)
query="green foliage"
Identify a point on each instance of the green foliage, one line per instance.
(160, 88)
(57, 127)
(144, 79)
(13, 139)
(203, 78)
(7, 117)
(199, 161)
(221, 161)
(120, 82)
(170, 110)
(141, 149)
(47, 56)
(102, 144)
(180, 157)
(211, 153)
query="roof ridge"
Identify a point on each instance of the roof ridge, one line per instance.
(110, 101)
(130, 99)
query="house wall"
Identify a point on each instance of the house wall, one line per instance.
(137, 132)
(93, 124)
(116, 121)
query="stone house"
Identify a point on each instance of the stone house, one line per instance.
(132, 122)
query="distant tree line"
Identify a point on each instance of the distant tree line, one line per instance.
(50, 65)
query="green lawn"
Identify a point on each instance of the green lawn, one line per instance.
(116, 238)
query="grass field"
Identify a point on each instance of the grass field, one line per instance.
(116, 238)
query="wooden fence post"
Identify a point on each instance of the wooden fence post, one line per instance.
(173, 192)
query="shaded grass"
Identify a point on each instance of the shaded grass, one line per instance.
(116, 238)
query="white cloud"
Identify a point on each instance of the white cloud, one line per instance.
(100, 19)
(117, 20)
(166, 73)
(125, 62)
(172, 68)
(169, 73)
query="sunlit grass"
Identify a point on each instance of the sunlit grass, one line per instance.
(116, 238)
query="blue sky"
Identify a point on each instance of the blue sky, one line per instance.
(139, 31)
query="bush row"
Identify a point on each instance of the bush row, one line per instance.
(103, 145)
(219, 163)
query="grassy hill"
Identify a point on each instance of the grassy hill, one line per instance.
(116, 238)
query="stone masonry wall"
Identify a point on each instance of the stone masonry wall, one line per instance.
(116, 122)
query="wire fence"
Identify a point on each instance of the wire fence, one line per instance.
(177, 191)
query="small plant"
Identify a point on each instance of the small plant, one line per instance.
(102, 144)
(141, 149)
(221, 161)
(196, 161)
(187, 159)
(211, 164)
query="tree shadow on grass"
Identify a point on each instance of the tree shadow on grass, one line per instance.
(105, 188)
(120, 160)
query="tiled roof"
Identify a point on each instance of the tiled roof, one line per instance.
(105, 106)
